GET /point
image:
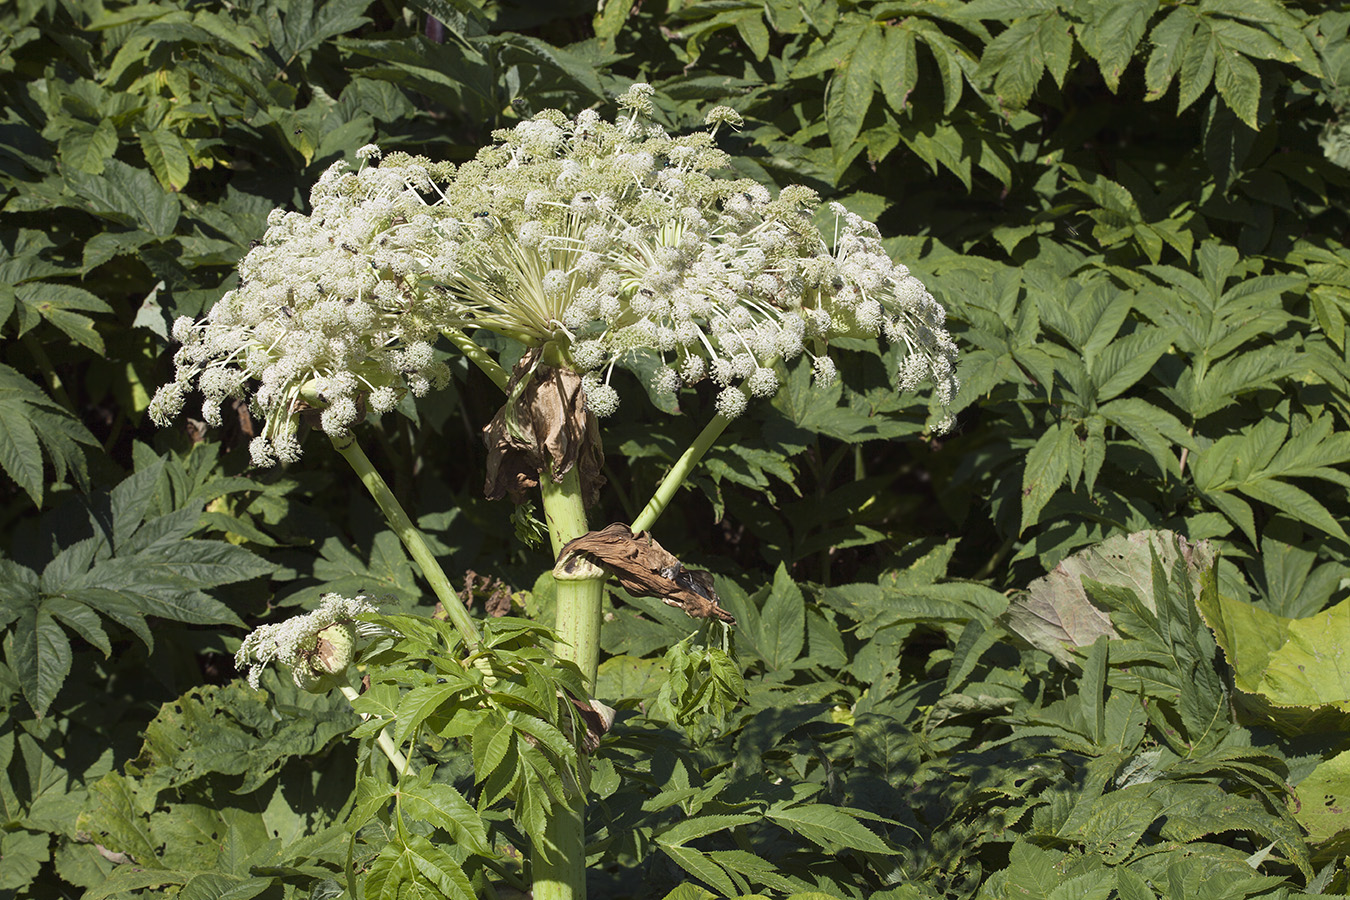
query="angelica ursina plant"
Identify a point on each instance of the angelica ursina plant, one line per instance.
(588, 242)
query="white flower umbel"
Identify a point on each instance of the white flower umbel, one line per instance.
(317, 646)
(617, 238)
(601, 238)
(329, 312)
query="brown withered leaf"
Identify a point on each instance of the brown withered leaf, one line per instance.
(544, 424)
(497, 592)
(596, 717)
(645, 569)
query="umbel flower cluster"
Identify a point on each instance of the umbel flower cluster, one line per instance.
(599, 238)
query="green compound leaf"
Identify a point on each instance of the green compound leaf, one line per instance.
(128, 196)
(1110, 33)
(443, 806)
(35, 423)
(416, 868)
(698, 864)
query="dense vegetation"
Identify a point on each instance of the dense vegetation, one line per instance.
(1133, 212)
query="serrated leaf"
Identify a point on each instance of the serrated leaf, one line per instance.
(1291, 499)
(107, 245)
(1170, 38)
(61, 305)
(1019, 56)
(1157, 430)
(1197, 66)
(899, 71)
(40, 655)
(1046, 467)
(443, 806)
(88, 147)
(1239, 84)
(782, 623)
(828, 826)
(81, 619)
(851, 87)
(700, 826)
(698, 864)
(1127, 359)
(20, 454)
(416, 868)
(128, 196)
(419, 704)
(167, 156)
(1111, 33)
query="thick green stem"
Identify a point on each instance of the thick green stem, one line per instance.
(412, 538)
(578, 619)
(383, 741)
(671, 484)
(560, 866)
(560, 863)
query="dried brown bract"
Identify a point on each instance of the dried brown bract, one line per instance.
(596, 717)
(645, 569)
(544, 424)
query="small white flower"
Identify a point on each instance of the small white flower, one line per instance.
(602, 399)
(823, 368)
(665, 380)
(731, 402)
(763, 383)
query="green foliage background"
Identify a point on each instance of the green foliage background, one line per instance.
(1134, 213)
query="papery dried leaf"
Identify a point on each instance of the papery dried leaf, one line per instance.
(1055, 613)
(644, 568)
(498, 603)
(597, 717)
(543, 424)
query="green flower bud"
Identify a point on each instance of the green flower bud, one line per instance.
(333, 649)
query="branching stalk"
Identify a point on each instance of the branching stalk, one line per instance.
(383, 741)
(479, 357)
(679, 473)
(412, 538)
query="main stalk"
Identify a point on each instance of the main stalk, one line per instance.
(560, 865)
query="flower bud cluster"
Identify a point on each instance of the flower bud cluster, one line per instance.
(604, 238)
(317, 647)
